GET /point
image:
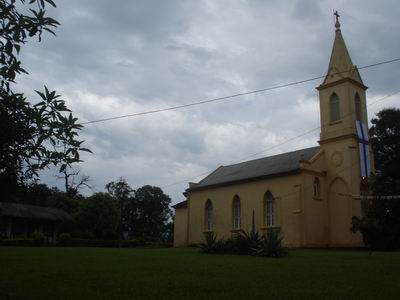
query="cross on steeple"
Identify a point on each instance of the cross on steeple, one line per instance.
(337, 24)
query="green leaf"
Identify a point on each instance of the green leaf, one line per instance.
(9, 47)
(51, 3)
(41, 95)
(86, 150)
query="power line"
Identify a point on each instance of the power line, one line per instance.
(384, 98)
(247, 157)
(233, 96)
(280, 144)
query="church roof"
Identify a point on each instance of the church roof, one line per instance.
(277, 165)
(182, 204)
(17, 210)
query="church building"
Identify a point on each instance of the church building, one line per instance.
(310, 194)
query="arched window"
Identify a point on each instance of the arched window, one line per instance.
(317, 188)
(236, 213)
(334, 104)
(209, 215)
(269, 209)
(357, 101)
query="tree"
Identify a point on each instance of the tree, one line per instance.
(122, 192)
(41, 134)
(385, 142)
(380, 224)
(119, 189)
(150, 213)
(145, 212)
(73, 181)
(98, 217)
(64, 201)
(42, 195)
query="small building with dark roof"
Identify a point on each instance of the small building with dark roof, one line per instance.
(21, 220)
(310, 194)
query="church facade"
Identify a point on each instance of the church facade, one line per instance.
(310, 194)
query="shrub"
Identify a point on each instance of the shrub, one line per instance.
(17, 242)
(38, 238)
(271, 245)
(380, 225)
(246, 243)
(229, 245)
(64, 239)
(105, 243)
(212, 245)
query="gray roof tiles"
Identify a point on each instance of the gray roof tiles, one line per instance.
(17, 210)
(182, 204)
(258, 168)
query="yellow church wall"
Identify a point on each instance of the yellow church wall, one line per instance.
(316, 229)
(288, 205)
(180, 227)
(343, 189)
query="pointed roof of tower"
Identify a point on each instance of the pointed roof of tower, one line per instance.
(340, 64)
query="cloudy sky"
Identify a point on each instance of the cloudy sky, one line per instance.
(111, 58)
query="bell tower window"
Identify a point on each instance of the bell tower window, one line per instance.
(357, 101)
(334, 105)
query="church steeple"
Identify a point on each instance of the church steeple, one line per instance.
(342, 94)
(340, 64)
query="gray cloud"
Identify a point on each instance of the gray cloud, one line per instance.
(117, 57)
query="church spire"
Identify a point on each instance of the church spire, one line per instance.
(337, 24)
(340, 64)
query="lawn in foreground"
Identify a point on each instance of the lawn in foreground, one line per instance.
(96, 273)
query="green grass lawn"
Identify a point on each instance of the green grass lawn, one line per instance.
(96, 273)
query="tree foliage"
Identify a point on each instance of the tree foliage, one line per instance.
(385, 142)
(152, 210)
(120, 189)
(42, 195)
(146, 212)
(122, 192)
(98, 217)
(380, 223)
(41, 134)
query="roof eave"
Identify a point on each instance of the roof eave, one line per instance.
(324, 86)
(182, 204)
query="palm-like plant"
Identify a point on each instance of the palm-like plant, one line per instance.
(211, 244)
(271, 245)
(246, 243)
